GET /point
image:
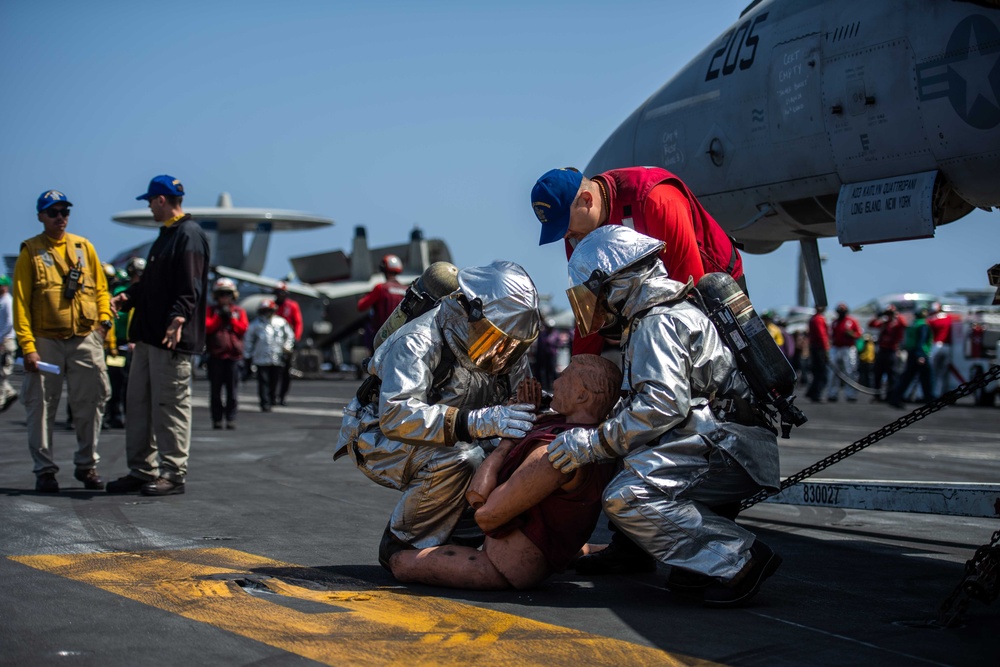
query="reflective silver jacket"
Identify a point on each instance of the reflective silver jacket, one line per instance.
(674, 364)
(267, 341)
(406, 363)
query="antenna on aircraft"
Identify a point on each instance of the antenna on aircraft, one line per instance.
(225, 226)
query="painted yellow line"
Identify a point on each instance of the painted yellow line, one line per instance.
(375, 627)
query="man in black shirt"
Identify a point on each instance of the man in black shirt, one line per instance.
(168, 328)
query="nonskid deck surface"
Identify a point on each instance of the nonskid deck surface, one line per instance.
(270, 555)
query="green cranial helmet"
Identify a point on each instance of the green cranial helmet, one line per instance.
(4, 280)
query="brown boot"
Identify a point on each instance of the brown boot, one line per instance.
(91, 480)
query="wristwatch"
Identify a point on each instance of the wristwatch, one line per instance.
(107, 324)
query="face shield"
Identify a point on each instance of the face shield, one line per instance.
(493, 351)
(587, 305)
(600, 258)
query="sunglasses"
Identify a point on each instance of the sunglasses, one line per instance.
(57, 212)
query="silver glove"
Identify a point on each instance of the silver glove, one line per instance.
(504, 421)
(574, 448)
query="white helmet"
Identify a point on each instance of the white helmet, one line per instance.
(606, 255)
(136, 265)
(223, 285)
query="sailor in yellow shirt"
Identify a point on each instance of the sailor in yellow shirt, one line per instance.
(62, 315)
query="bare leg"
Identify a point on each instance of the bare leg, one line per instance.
(517, 558)
(511, 561)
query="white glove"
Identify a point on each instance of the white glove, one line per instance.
(504, 421)
(574, 448)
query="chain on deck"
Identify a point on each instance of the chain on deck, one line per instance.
(981, 580)
(923, 411)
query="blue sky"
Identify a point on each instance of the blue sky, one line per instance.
(383, 114)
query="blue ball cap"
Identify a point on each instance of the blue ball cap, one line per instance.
(50, 197)
(163, 185)
(551, 199)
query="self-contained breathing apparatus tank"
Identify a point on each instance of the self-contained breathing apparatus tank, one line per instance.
(438, 280)
(758, 357)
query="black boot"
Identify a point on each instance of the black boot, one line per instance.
(467, 532)
(688, 584)
(762, 564)
(390, 545)
(622, 556)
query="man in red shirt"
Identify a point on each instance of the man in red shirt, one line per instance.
(225, 325)
(383, 299)
(651, 201)
(844, 354)
(289, 310)
(819, 354)
(940, 323)
(891, 328)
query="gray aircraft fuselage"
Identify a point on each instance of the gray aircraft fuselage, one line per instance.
(803, 104)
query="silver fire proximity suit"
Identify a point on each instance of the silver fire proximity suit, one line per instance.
(425, 434)
(681, 456)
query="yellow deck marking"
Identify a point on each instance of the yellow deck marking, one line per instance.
(376, 627)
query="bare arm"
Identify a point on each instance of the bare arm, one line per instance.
(533, 481)
(485, 479)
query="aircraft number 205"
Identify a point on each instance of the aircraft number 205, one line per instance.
(727, 57)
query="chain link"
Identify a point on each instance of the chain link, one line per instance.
(981, 582)
(923, 411)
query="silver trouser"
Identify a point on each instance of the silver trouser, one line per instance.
(81, 360)
(158, 428)
(433, 481)
(940, 361)
(7, 350)
(845, 360)
(674, 523)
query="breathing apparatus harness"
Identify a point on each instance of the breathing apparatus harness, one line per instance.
(758, 358)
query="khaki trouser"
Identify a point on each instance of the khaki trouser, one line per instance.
(81, 360)
(158, 404)
(7, 349)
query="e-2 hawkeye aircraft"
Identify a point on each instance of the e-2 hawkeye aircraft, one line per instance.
(331, 282)
(869, 120)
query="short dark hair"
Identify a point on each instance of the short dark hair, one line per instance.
(173, 200)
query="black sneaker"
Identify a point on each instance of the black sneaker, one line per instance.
(126, 484)
(763, 563)
(91, 480)
(615, 559)
(230, 426)
(46, 483)
(217, 425)
(162, 487)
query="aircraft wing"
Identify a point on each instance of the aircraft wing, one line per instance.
(339, 290)
(257, 279)
(331, 291)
